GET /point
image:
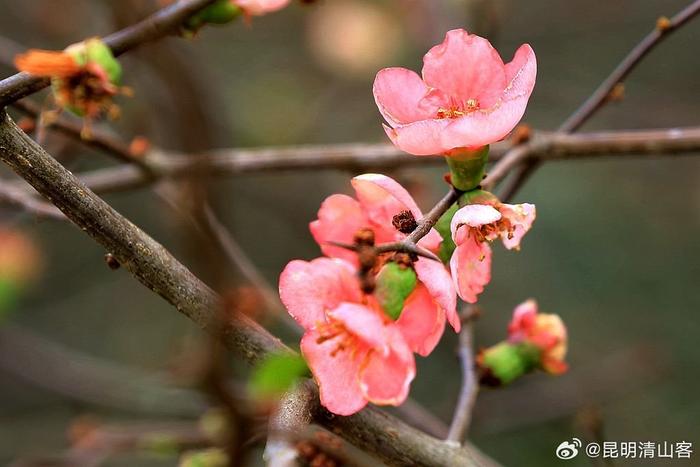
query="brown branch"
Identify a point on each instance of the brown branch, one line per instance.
(601, 95)
(470, 385)
(160, 24)
(367, 157)
(371, 429)
(98, 140)
(627, 65)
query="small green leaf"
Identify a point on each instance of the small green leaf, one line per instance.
(276, 374)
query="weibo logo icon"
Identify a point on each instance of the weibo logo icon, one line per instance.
(568, 450)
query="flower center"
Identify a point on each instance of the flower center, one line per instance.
(489, 232)
(458, 110)
(344, 340)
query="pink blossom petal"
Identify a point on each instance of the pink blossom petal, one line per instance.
(472, 215)
(398, 92)
(471, 269)
(336, 372)
(363, 323)
(421, 138)
(439, 283)
(381, 198)
(465, 66)
(387, 380)
(339, 218)
(422, 321)
(521, 217)
(488, 125)
(261, 7)
(309, 289)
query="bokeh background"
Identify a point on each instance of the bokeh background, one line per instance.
(614, 250)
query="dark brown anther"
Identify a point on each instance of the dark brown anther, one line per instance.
(404, 222)
(364, 237)
(111, 261)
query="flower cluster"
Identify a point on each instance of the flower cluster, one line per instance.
(535, 340)
(367, 310)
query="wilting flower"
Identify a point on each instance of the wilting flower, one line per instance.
(383, 206)
(355, 352)
(466, 98)
(545, 331)
(84, 77)
(535, 340)
(473, 227)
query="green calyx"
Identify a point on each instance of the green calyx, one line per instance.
(95, 51)
(477, 196)
(467, 167)
(447, 247)
(219, 12)
(506, 362)
(395, 282)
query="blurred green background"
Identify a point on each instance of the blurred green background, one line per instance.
(614, 250)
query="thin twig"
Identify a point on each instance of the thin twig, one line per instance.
(470, 386)
(101, 141)
(160, 24)
(601, 95)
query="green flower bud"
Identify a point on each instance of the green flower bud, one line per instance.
(505, 362)
(219, 12)
(395, 282)
(467, 167)
(477, 197)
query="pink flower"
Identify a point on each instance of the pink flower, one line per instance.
(356, 354)
(379, 200)
(467, 97)
(260, 7)
(545, 331)
(473, 227)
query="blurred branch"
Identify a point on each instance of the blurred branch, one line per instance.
(99, 140)
(88, 379)
(663, 28)
(371, 429)
(13, 195)
(100, 442)
(364, 157)
(158, 25)
(470, 385)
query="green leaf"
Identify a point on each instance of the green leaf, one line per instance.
(276, 374)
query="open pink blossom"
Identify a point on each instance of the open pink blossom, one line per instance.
(466, 98)
(260, 7)
(356, 354)
(379, 199)
(545, 331)
(473, 227)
